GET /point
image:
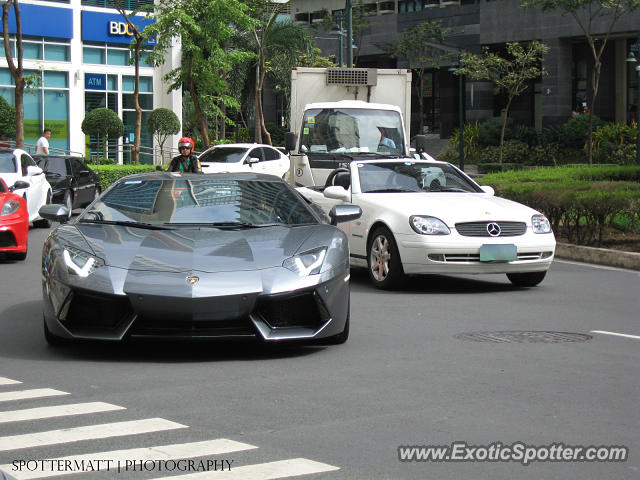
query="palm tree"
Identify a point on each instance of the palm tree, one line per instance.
(272, 37)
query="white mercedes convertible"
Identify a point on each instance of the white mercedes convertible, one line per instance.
(429, 217)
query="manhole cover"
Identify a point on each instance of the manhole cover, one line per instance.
(524, 337)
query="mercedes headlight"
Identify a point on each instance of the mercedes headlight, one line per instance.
(9, 207)
(425, 225)
(540, 224)
(306, 263)
(79, 262)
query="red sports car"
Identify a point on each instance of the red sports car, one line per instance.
(14, 224)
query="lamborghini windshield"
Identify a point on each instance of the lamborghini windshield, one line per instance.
(200, 201)
(352, 130)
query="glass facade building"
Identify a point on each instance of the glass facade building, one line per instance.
(77, 58)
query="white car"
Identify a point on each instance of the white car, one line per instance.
(428, 217)
(244, 157)
(18, 166)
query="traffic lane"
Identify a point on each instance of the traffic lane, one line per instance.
(386, 387)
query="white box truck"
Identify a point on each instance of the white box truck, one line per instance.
(342, 114)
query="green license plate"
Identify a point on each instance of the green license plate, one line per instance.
(498, 253)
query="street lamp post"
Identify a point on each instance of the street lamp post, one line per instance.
(454, 69)
(634, 53)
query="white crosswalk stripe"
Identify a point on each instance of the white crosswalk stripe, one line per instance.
(91, 432)
(114, 460)
(8, 381)
(58, 411)
(109, 461)
(261, 471)
(33, 393)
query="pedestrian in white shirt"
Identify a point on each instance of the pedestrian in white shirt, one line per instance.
(43, 142)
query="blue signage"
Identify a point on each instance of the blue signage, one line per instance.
(43, 21)
(110, 27)
(95, 81)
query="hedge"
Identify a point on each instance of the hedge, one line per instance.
(110, 173)
(580, 202)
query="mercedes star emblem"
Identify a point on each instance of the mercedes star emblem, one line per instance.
(493, 229)
(192, 280)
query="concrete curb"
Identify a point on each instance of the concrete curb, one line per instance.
(599, 256)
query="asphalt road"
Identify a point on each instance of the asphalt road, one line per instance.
(403, 378)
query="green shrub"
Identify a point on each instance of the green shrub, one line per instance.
(497, 167)
(472, 149)
(490, 130)
(110, 173)
(524, 134)
(544, 154)
(580, 201)
(576, 131)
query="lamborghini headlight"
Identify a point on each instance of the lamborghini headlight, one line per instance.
(426, 225)
(9, 207)
(306, 263)
(79, 262)
(540, 224)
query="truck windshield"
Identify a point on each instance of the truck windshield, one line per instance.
(352, 130)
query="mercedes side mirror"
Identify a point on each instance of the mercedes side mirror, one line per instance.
(344, 213)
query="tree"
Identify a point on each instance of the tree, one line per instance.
(272, 39)
(163, 122)
(17, 71)
(203, 27)
(138, 39)
(508, 74)
(7, 118)
(423, 46)
(586, 13)
(103, 123)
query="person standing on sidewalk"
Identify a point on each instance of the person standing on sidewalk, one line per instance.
(42, 146)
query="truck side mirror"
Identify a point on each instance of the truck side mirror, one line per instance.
(421, 143)
(290, 141)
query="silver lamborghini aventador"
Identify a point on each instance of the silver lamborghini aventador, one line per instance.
(185, 255)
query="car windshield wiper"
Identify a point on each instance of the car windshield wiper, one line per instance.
(449, 189)
(378, 154)
(125, 223)
(216, 224)
(393, 190)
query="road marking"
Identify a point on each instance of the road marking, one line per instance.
(91, 432)
(637, 337)
(33, 393)
(58, 411)
(8, 381)
(109, 460)
(261, 471)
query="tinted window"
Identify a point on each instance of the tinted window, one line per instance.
(256, 153)
(78, 166)
(201, 201)
(53, 165)
(26, 161)
(270, 154)
(223, 155)
(7, 163)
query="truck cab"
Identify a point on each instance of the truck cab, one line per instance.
(345, 114)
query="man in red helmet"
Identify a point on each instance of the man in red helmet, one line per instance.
(186, 162)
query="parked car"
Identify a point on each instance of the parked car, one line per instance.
(186, 255)
(18, 166)
(14, 223)
(423, 217)
(73, 183)
(244, 157)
